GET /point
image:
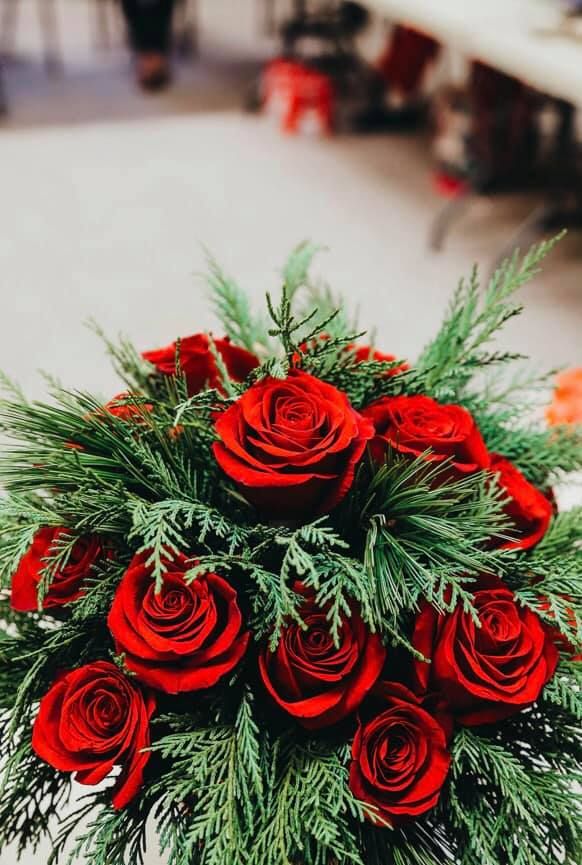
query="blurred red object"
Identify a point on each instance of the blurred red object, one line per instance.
(293, 91)
(566, 406)
(449, 186)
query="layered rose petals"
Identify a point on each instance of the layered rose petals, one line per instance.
(292, 445)
(413, 424)
(528, 509)
(488, 673)
(316, 681)
(66, 582)
(400, 758)
(184, 638)
(198, 363)
(91, 720)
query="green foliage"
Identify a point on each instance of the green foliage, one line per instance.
(500, 800)
(426, 538)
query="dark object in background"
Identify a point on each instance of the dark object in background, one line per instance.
(150, 25)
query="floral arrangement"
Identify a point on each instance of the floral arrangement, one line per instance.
(298, 600)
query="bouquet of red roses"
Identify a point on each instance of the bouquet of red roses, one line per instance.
(298, 600)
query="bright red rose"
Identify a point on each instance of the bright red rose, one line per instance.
(185, 638)
(528, 508)
(484, 674)
(292, 445)
(314, 680)
(399, 756)
(366, 352)
(91, 720)
(412, 424)
(66, 585)
(198, 363)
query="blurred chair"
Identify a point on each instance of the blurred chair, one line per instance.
(48, 20)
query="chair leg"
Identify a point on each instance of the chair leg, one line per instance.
(450, 213)
(101, 23)
(8, 22)
(3, 100)
(187, 28)
(47, 13)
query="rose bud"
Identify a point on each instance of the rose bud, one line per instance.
(91, 720)
(66, 582)
(198, 363)
(400, 758)
(366, 352)
(122, 407)
(413, 424)
(184, 638)
(314, 680)
(292, 445)
(528, 509)
(488, 673)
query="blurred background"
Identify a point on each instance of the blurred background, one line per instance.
(412, 139)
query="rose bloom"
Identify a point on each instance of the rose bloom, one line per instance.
(91, 720)
(528, 509)
(66, 585)
(399, 756)
(186, 637)
(412, 424)
(484, 674)
(198, 364)
(314, 680)
(292, 445)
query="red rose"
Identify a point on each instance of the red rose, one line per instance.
(484, 674)
(66, 585)
(91, 720)
(198, 364)
(366, 352)
(129, 411)
(314, 680)
(292, 445)
(412, 424)
(528, 509)
(399, 756)
(185, 638)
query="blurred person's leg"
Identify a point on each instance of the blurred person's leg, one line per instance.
(150, 25)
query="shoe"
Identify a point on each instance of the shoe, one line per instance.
(153, 71)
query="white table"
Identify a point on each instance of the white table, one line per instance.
(511, 35)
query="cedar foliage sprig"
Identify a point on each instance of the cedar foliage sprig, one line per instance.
(227, 784)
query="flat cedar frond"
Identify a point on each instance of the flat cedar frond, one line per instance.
(346, 637)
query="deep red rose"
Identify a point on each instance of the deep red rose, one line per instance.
(198, 363)
(412, 424)
(399, 756)
(185, 638)
(314, 680)
(66, 585)
(366, 352)
(528, 508)
(129, 411)
(484, 674)
(91, 720)
(292, 445)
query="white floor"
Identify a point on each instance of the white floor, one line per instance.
(107, 219)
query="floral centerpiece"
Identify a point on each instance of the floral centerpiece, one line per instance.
(294, 599)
